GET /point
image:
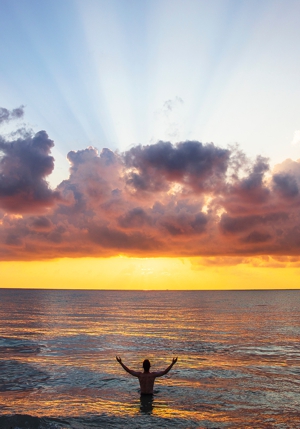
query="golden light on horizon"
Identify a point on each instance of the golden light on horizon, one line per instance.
(149, 274)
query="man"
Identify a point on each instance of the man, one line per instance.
(146, 378)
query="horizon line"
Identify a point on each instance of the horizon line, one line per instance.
(153, 290)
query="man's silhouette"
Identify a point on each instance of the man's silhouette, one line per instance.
(146, 378)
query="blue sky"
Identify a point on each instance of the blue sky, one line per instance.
(118, 73)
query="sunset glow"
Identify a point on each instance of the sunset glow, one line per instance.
(152, 146)
(151, 274)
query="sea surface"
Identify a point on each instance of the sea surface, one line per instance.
(238, 359)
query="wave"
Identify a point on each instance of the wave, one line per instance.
(24, 421)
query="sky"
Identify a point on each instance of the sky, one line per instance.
(150, 144)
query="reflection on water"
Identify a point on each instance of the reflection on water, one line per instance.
(238, 366)
(146, 404)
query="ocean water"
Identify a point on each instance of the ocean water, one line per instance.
(238, 359)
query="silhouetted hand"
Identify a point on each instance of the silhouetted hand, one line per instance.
(174, 361)
(119, 359)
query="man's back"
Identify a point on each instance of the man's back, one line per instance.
(146, 378)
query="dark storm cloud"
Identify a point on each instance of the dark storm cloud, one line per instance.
(254, 181)
(13, 240)
(120, 241)
(236, 225)
(41, 223)
(24, 165)
(286, 185)
(200, 167)
(135, 218)
(90, 154)
(252, 188)
(8, 115)
(185, 224)
(256, 237)
(184, 199)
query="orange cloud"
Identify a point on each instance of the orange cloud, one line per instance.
(189, 199)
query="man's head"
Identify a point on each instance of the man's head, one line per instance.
(146, 365)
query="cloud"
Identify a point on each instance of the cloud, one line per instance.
(197, 167)
(264, 261)
(41, 223)
(135, 218)
(170, 104)
(8, 115)
(168, 120)
(24, 165)
(240, 224)
(296, 138)
(286, 185)
(184, 199)
(257, 237)
(114, 239)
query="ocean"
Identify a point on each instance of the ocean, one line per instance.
(238, 359)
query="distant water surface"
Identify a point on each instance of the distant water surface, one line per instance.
(238, 359)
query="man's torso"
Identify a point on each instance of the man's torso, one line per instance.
(146, 382)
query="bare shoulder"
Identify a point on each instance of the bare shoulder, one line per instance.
(157, 373)
(147, 375)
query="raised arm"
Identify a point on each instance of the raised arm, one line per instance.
(160, 373)
(134, 373)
